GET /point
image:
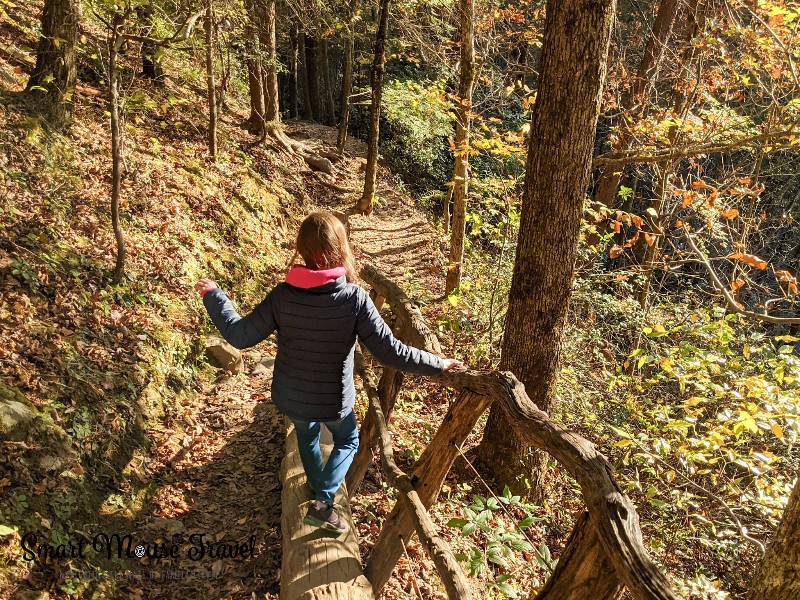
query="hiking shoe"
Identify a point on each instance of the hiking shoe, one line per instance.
(325, 518)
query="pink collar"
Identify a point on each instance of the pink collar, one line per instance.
(303, 277)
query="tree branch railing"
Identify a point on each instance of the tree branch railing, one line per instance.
(451, 573)
(614, 532)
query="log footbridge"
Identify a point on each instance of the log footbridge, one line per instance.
(604, 554)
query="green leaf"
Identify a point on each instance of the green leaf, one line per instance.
(5, 530)
(456, 522)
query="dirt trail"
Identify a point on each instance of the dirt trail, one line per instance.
(222, 481)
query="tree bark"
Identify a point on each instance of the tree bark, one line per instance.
(572, 73)
(376, 83)
(778, 575)
(347, 80)
(312, 72)
(466, 10)
(308, 113)
(583, 569)
(272, 112)
(330, 112)
(637, 100)
(114, 42)
(292, 71)
(255, 121)
(56, 71)
(212, 88)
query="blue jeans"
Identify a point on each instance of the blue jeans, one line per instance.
(326, 479)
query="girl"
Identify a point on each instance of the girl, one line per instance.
(318, 316)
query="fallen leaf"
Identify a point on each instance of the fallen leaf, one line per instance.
(749, 259)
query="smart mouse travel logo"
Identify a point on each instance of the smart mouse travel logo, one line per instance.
(119, 547)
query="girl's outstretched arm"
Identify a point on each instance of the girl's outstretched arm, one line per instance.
(376, 335)
(239, 332)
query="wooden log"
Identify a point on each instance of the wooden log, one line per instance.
(316, 564)
(453, 577)
(583, 569)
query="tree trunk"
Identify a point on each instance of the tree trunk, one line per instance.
(461, 169)
(272, 112)
(312, 72)
(778, 575)
(114, 43)
(212, 88)
(293, 71)
(637, 100)
(347, 80)
(572, 73)
(55, 71)
(255, 121)
(376, 83)
(303, 69)
(330, 112)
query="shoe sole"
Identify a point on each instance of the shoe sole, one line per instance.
(323, 525)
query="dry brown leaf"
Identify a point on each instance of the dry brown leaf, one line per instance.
(749, 259)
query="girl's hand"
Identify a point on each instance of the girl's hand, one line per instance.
(452, 363)
(204, 285)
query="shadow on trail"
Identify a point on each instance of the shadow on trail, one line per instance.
(232, 498)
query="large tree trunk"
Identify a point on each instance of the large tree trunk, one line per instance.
(212, 88)
(55, 71)
(308, 113)
(272, 112)
(461, 169)
(572, 73)
(347, 80)
(778, 575)
(376, 83)
(638, 98)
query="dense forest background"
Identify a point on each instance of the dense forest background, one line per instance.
(144, 144)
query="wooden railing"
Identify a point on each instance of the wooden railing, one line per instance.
(604, 551)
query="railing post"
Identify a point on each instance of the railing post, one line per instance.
(583, 569)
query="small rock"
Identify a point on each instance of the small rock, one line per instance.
(224, 356)
(14, 416)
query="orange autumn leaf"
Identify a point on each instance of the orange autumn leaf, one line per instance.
(729, 214)
(712, 198)
(749, 259)
(679, 223)
(637, 220)
(650, 239)
(736, 285)
(743, 180)
(696, 185)
(687, 199)
(632, 241)
(616, 226)
(615, 251)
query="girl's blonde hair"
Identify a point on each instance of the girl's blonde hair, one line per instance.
(322, 242)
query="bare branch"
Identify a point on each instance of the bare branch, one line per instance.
(622, 158)
(732, 304)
